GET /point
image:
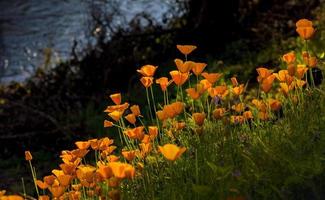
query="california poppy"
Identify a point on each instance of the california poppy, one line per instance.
(211, 77)
(238, 90)
(198, 118)
(266, 84)
(198, 68)
(184, 67)
(135, 109)
(171, 151)
(289, 57)
(178, 77)
(28, 156)
(131, 118)
(164, 83)
(238, 107)
(263, 73)
(108, 123)
(147, 70)
(218, 113)
(116, 98)
(193, 93)
(129, 155)
(234, 81)
(146, 81)
(186, 49)
(301, 70)
(153, 132)
(115, 115)
(305, 28)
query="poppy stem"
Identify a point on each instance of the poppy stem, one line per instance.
(24, 189)
(149, 104)
(34, 176)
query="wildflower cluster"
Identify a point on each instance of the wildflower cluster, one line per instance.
(165, 135)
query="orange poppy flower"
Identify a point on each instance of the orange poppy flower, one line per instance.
(147, 70)
(57, 191)
(234, 81)
(198, 118)
(161, 115)
(184, 67)
(193, 93)
(238, 90)
(274, 104)
(131, 118)
(42, 185)
(260, 105)
(267, 83)
(135, 109)
(82, 144)
(11, 197)
(179, 125)
(69, 168)
(205, 84)
(122, 170)
(64, 180)
(218, 113)
(43, 197)
(120, 108)
(289, 57)
(146, 139)
(115, 115)
(135, 133)
(301, 70)
(238, 119)
(198, 68)
(263, 116)
(186, 49)
(305, 28)
(49, 180)
(112, 158)
(164, 83)
(116, 98)
(145, 148)
(211, 77)
(28, 156)
(298, 83)
(238, 107)
(146, 81)
(283, 76)
(248, 115)
(263, 73)
(129, 155)
(171, 152)
(178, 77)
(285, 88)
(312, 62)
(221, 90)
(153, 132)
(108, 123)
(86, 175)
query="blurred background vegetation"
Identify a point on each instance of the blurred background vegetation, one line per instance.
(59, 105)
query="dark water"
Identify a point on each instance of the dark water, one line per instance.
(31, 29)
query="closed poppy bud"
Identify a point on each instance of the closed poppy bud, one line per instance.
(198, 68)
(234, 81)
(171, 152)
(131, 118)
(116, 98)
(135, 109)
(218, 113)
(186, 49)
(28, 156)
(146, 81)
(198, 118)
(108, 123)
(147, 70)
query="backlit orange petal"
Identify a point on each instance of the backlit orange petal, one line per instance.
(28, 156)
(211, 77)
(131, 118)
(108, 123)
(186, 49)
(198, 118)
(178, 77)
(198, 68)
(82, 144)
(146, 81)
(171, 151)
(147, 70)
(116, 98)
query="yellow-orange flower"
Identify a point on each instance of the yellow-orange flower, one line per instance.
(115, 115)
(178, 77)
(218, 91)
(192, 92)
(186, 49)
(164, 83)
(122, 170)
(135, 109)
(301, 70)
(146, 81)
(237, 119)
(184, 67)
(312, 61)
(266, 84)
(131, 118)
(135, 133)
(171, 151)
(11, 197)
(218, 113)
(120, 108)
(238, 107)
(129, 155)
(82, 144)
(283, 76)
(153, 132)
(211, 77)
(147, 70)
(274, 104)
(238, 90)
(305, 29)
(248, 115)
(198, 118)
(57, 191)
(289, 57)
(28, 156)
(108, 123)
(198, 68)
(116, 98)
(263, 73)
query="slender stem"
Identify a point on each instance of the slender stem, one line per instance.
(34, 176)
(149, 104)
